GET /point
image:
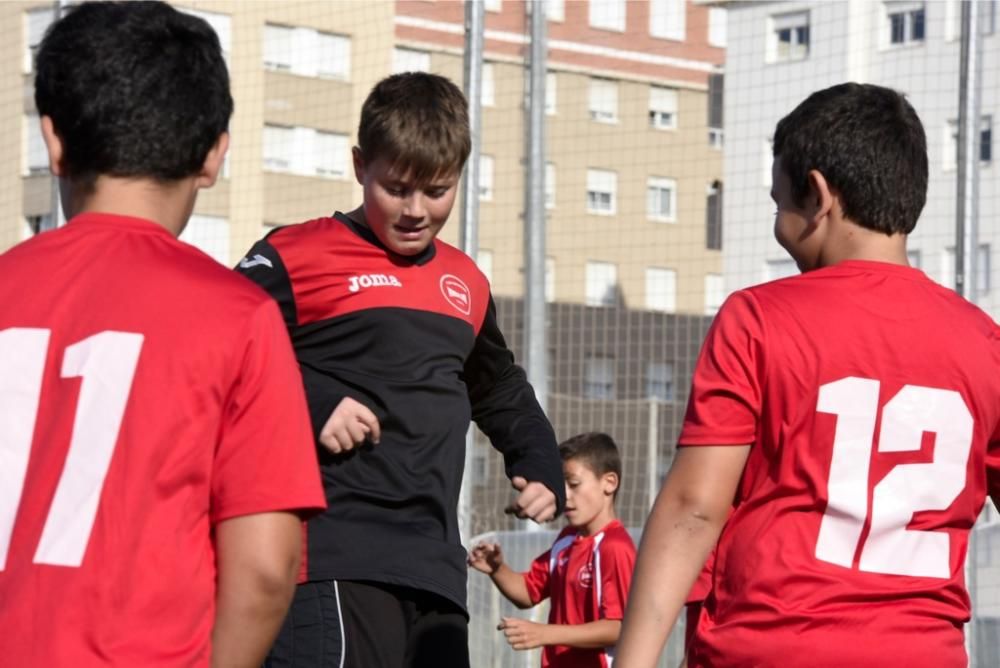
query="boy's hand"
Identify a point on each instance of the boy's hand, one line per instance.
(486, 558)
(535, 501)
(350, 423)
(522, 634)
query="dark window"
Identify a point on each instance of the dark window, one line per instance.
(917, 25)
(898, 34)
(713, 217)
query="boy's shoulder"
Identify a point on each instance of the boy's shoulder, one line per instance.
(615, 536)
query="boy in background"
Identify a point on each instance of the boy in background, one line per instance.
(397, 338)
(586, 572)
(155, 438)
(858, 435)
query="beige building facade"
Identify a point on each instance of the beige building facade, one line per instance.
(632, 158)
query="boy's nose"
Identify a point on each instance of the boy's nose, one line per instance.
(414, 206)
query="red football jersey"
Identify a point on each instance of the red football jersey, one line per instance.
(147, 394)
(871, 399)
(586, 579)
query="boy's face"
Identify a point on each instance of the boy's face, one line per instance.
(793, 226)
(589, 497)
(403, 215)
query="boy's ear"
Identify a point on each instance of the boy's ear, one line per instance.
(213, 162)
(54, 146)
(609, 483)
(359, 165)
(821, 196)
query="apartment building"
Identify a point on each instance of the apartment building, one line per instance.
(779, 52)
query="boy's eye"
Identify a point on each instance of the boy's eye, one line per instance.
(395, 192)
(436, 193)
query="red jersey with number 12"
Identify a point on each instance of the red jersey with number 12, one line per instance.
(871, 398)
(147, 393)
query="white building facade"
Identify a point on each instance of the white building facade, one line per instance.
(780, 52)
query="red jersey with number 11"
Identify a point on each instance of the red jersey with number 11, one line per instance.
(146, 394)
(871, 398)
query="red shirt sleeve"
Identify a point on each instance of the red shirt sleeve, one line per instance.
(617, 563)
(265, 459)
(703, 585)
(536, 579)
(724, 407)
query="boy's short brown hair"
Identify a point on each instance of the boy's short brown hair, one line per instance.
(596, 450)
(418, 123)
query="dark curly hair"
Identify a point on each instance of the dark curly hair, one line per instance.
(134, 89)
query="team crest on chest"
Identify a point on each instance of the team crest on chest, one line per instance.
(355, 283)
(456, 293)
(585, 576)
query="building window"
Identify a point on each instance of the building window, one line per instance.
(484, 260)
(555, 10)
(913, 258)
(667, 19)
(713, 216)
(661, 199)
(662, 108)
(984, 146)
(983, 282)
(410, 60)
(36, 22)
(485, 178)
(716, 86)
(608, 14)
(487, 94)
(602, 284)
(602, 192)
(775, 269)
(550, 279)
(717, 27)
(38, 224)
(305, 151)
(35, 153)
(330, 151)
(210, 234)
(661, 289)
(307, 52)
(714, 293)
(660, 381)
(788, 37)
(550, 185)
(493, 5)
(905, 22)
(603, 100)
(599, 377)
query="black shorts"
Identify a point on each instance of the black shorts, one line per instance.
(347, 624)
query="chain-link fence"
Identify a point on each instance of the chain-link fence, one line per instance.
(657, 125)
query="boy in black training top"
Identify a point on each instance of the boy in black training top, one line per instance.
(397, 338)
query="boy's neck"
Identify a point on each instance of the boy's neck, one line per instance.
(854, 242)
(167, 204)
(605, 517)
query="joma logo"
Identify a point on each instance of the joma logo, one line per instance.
(355, 283)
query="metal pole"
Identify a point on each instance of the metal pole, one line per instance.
(535, 348)
(652, 452)
(967, 228)
(966, 232)
(468, 233)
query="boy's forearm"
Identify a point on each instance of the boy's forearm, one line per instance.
(602, 633)
(511, 584)
(680, 533)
